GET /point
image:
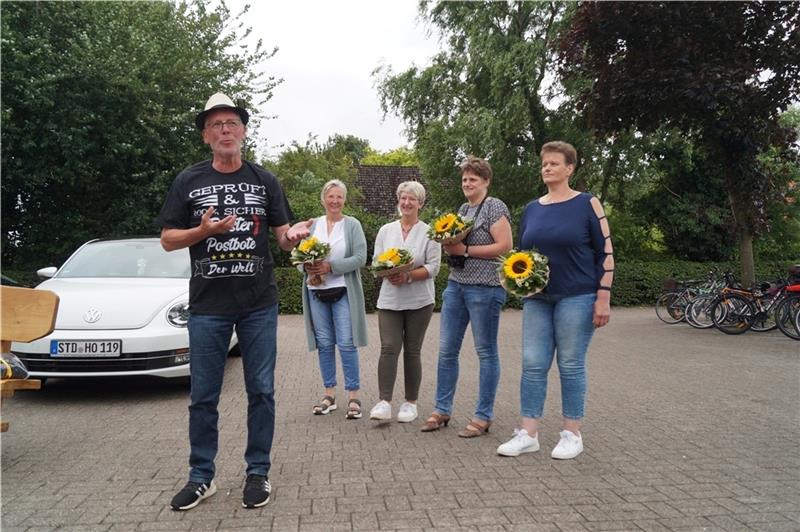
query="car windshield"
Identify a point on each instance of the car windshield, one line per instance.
(127, 258)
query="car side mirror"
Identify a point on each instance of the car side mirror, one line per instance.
(47, 273)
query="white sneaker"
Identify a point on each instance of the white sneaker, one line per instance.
(570, 446)
(520, 443)
(407, 413)
(381, 411)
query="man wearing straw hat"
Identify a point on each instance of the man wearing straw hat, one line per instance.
(221, 209)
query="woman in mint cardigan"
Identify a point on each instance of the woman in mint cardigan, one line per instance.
(334, 309)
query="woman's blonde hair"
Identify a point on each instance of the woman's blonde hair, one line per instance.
(329, 185)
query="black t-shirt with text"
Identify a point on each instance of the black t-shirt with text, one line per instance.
(231, 272)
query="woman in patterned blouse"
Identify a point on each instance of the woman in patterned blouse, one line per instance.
(473, 297)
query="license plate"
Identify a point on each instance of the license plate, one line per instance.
(85, 348)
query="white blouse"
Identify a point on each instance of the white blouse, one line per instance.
(427, 253)
(336, 240)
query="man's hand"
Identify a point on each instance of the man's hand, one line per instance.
(299, 231)
(172, 239)
(210, 227)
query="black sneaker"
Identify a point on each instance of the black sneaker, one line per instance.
(256, 491)
(191, 495)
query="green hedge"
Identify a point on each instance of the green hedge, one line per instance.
(635, 283)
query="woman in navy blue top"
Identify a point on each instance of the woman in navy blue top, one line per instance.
(571, 229)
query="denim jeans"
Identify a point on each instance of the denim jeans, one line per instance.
(209, 338)
(332, 328)
(560, 326)
(478, 306)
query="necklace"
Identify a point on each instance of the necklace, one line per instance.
(408, 230)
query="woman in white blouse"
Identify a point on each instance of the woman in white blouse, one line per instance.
(333, 310)
(405, 303)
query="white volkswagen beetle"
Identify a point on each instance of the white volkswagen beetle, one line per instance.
(123, 310)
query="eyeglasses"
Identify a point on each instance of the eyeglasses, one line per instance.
(231, 124)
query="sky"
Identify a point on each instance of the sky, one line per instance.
(327, 53)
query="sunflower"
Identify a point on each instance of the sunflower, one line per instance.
(390, 255)
(306, 245)
(518, 266)
(445, 223)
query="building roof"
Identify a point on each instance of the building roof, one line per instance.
(378, 185)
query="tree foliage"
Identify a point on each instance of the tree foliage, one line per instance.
(483, 94)
(397, 157)
(304, 169)
(98, 113)
(721, 72)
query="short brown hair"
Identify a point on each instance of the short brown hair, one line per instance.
(564, 148)
(477, 166)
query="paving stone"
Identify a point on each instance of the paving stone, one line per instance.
(660, 453)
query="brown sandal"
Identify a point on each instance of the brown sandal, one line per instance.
(325, 406)
(353, 409)
(474, 429)
(435, 422)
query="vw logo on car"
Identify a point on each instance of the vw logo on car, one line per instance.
(92, 316)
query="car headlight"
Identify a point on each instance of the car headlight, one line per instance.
(178, 314)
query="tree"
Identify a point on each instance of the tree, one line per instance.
(483, 95)
(720, 72)
(97, 113)
(304, 169)
(686, 201)
(353, 147)
(398, 157)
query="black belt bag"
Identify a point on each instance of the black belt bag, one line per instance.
(330, 295)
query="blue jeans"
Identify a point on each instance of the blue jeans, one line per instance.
(209, 338)
(479, 306)
(333, 327)
(560, 326)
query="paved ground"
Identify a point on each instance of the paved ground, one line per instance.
(685, 430)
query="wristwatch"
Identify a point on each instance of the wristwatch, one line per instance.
(466, 250)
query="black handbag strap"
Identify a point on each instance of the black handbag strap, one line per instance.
(477, 213)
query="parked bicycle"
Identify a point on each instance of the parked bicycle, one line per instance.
(697, 312)
(722, 302)
(737, 310)
(787, 313)
(676, 296)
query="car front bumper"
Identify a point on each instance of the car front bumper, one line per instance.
(163, 352)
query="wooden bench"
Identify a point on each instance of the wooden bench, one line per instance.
(27, 315)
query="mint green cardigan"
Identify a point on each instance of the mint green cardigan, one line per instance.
(355, 257)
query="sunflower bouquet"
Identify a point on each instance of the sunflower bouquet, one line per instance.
(449, 229)
(311, 250)
(523, 273)
(392, 261)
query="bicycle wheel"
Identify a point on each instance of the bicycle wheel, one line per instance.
(764, 321)
(669, 308)
(698, 313)
(786, 316)
(733, 314)
(797, 324)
